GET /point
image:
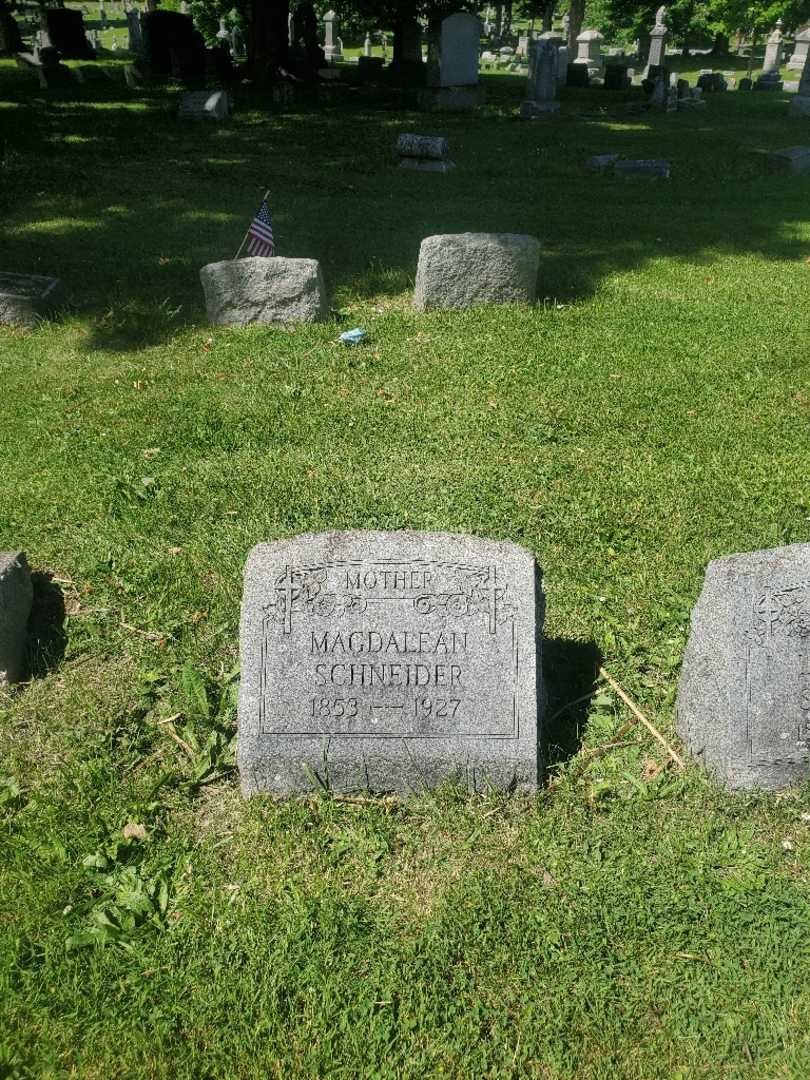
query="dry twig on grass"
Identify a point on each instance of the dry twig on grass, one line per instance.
(639, 715)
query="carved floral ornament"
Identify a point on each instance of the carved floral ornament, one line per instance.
(787, 611)
(301, 590)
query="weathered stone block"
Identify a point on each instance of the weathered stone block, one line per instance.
(799, 106)
(427, 165)
(744, 693)
(27, 298)
(791, 159)
(601, 162)
(423, 146)
(460, 270)
(16, 594)
(239, 292)
(390, 661)
(203, 105)
(643, 169)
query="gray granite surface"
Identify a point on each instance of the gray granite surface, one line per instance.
(744, 692)
(390, 662)
(240, 292)
(460, 270)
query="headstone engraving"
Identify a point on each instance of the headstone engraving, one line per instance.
(744, 693)
(16, 594)
(390, 661)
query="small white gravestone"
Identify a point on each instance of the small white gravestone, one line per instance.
(458, 50)
(203, 105)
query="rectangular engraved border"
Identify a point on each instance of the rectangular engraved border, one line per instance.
(314, 733)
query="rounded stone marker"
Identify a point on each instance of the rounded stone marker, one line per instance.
(241, 292)
(460, 270)
(744, 691)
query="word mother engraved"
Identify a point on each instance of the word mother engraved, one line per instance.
(744, 695)
(389, 661)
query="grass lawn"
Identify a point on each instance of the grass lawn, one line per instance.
(650, 413)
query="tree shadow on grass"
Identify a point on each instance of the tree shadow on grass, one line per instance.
(46, 626)
(570, 673)
(159, 199)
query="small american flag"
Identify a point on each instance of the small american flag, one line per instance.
(260, 233)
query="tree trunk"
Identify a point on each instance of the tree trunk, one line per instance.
(267, 37)
(576, 14)
(548, 17)
(498, 21)
(506, 29)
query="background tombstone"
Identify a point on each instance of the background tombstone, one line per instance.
(458, 50)
(16, 595)
(589, 52)
(331, 46)
(452, 70)
(367, 47)
(389, 661)
(25, 299)
(773, 51)
(744, 692)
(134, 36)
(167, 32)
(801, 49)
(800, 105)
(66, 33)
(542, 81)
(658, 41)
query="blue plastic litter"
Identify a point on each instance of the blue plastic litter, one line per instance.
(353, 337)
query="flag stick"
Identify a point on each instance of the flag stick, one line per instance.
(247, 231)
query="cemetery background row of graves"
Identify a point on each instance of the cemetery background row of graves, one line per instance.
(166, 44)
(649, 413)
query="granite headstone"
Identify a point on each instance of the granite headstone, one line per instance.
(744, 693)
(389, 661)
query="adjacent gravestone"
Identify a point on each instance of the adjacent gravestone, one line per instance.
(541, 86)
(16, 594)
(25, 299)
(66, 33)
(168, 32)
(616, 77)
(203, 105)
(332, 47)
(241, 292)
(460, 270)
(577, 76)
(769, 79)
(744, 693)
(791, 159)
(801, 51)
(658, 42)
(390, 662)
(589, 52)
(134, 37)
(452, 74)
(656, 87)
(800, 105)
(424, 153)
